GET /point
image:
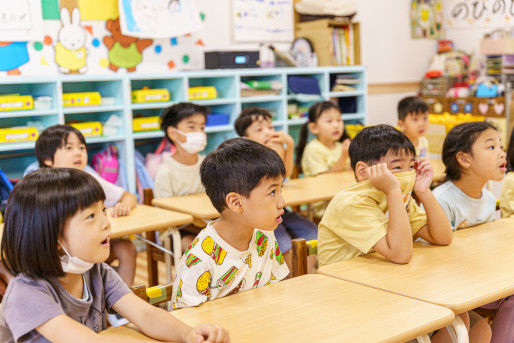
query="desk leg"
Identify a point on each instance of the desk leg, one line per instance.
(177, 252)
(423, 339)
(457, 330)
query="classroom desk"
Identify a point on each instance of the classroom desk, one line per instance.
(476, 269)
(295, 192)
(315, 308)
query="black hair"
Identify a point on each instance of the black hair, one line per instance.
(54, 138)
(374, 142)
(238, 165)
(412, 105)
(174, 114)
(36, 214)
(315, 111)
(461, 139)
(248, 116)
(510, 153)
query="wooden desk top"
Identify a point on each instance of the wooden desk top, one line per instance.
(316, 308)
(295, 192)
(147, 218)
(476, 269)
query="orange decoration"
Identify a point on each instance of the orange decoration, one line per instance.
(171, 64)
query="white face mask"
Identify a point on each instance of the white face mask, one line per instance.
(73, 264)
(195, 141)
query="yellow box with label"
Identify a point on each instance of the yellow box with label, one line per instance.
(202, 93)
(146, 124)
(150, 95)
(15, 102)
(89, 128)
(18, 134)
(81, 99)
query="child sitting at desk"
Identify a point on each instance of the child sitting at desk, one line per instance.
(413, 122)
(238, 252)
(473, 154)
(256, 124)
(507, 195)
(378, 213)
(55, 240)
(63, 146)
(184, 126)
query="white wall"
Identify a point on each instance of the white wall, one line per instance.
(388, 51)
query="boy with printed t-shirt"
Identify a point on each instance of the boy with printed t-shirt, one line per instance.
(239, 251)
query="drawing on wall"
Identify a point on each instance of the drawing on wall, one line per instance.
(426, 19)
(473, 13)
(262, 20)
(158, 18)
(70, 50)
(12, 56)
(20, 20)
(124, 51)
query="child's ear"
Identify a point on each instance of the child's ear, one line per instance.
(172, 133)
(313, 128)
(233, 201)
(401, 124)
(49, 162)
(464, 159)
(360, 171)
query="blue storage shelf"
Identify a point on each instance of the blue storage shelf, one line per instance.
(14, 157)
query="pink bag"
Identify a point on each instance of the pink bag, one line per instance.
(154, 160)
(106, 163)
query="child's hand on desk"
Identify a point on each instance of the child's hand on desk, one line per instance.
(207, 333)
(120, 210)
(382, 178)
(424, 175)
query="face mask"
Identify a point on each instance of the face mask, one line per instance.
(407, 180)
(195, 141)
(73, 264)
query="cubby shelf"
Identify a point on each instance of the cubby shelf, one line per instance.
(15, 157)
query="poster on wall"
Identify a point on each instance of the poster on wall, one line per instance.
(479, 13)
(426, 19)
(158, 18)
(262, 20)
(20, 20)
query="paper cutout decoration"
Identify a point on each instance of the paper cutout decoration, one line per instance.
(98, 9)
(158, 18)
(12, 56)
(426, 18)
(474, 13)
(50, 9)
(70, 50)
(21, 21)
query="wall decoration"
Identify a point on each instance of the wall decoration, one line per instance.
(20, 20)
(70, 51)
(474, 13)
(124, 51)
(12, 56)
(426, 19)
(262, 20)
(158, 18)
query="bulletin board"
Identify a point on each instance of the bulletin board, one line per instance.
(262, 20)
(473, 13)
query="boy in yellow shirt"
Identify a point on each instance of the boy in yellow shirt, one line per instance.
(378, 213)
(413, 122)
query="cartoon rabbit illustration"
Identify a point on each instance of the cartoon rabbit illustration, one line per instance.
(70, 53)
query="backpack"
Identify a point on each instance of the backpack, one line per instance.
(106, 163)
(154, 160)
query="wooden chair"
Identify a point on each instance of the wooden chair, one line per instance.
(156, 295)
(301, 250)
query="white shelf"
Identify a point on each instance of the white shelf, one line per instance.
(264, 98)
(213, 102)
(28, 113)
(148, 134)
(103, 139)
(92, 109)
(152, 105)
(346, 94)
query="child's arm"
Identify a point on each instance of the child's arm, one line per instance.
(438, 229)
(127, 202)
(283, 138)
(396, 245)
(342, 162)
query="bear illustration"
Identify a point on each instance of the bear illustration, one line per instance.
(124, 51)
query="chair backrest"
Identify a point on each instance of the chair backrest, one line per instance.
(301, 250)
(148, 196)
(155, 295)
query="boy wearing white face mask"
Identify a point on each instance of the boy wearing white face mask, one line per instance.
(179, 174)
(378, 213)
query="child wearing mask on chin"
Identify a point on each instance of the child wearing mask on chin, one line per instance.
(179, 174)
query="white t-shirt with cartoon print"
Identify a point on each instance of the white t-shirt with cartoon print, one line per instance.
(212, 268)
